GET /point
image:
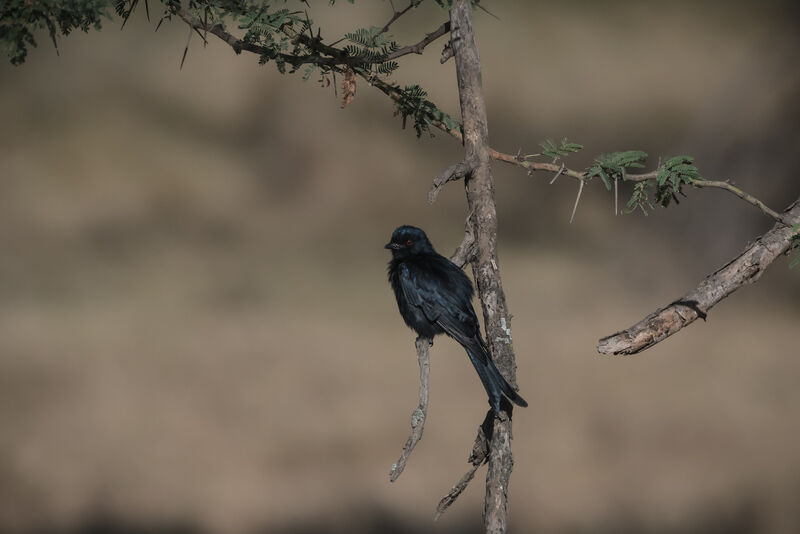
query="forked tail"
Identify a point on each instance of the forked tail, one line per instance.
(495, 384)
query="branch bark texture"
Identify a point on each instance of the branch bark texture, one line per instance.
(420, 413)
(742, 270)
(480, 198)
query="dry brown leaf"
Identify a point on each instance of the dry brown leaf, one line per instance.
(348, 87)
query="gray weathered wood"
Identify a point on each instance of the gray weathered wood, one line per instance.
(742, 270)
(480, 197)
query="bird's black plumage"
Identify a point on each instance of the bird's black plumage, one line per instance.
(435, 297)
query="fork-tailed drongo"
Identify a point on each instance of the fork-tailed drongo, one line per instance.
(435, 296)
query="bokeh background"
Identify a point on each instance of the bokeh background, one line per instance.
(196, 333)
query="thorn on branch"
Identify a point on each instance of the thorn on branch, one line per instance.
(186, 49)
(395, 15)
(577, 200)
(453, 172)
(554, 177)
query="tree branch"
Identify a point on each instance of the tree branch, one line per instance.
(480, 198)
(580, 175)
(396, 15)
(716, 184)
(478, 456)
(742, 270)
(338, 60)
(750, 199)
(239, 44)
(420, 413)
(420, 46)
(453, 172)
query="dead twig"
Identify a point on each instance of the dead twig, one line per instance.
(478, 456)
(742, 270)
(417, 48)
(420, 413)
(450, 174)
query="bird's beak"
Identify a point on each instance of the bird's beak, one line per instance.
(391, 246)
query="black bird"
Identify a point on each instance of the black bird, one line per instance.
(435, 296)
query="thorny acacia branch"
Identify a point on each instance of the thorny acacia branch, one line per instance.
(338, 60)
(397, 14)
(742, 270)
(581, 177)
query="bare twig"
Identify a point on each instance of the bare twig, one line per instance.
(750, 199)
(478, 456)
(456, 491)
(417, 48)
(453, 172)
(396, 15)
(742, 270)
(420, 413)
(479, 6)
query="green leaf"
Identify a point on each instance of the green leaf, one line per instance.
(672, 175)
(553, 151)
(612, 167)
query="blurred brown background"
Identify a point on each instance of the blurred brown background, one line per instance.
(196, 334)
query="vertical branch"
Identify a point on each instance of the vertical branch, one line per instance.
(480, 198)
(420, 413)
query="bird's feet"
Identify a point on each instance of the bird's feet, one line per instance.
(430, 340)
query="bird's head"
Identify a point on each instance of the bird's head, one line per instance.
(408, 241)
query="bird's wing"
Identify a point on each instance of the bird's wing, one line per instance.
(445, 308)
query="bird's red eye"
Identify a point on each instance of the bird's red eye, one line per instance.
(409, 243)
